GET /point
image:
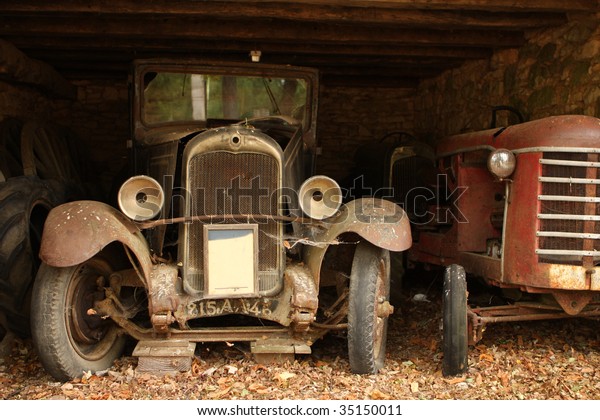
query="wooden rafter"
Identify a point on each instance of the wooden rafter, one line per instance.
(352, 41)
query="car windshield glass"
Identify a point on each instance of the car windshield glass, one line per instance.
(178, 97)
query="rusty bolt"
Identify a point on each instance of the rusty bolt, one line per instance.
(384, 309)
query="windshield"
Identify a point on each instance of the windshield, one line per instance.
(178, 97)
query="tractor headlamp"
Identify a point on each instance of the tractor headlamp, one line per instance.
(501, 163)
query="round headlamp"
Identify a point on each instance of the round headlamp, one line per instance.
(501, 163)
(141, 198)
(320, 197)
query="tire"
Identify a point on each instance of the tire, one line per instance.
(24, 205)
(454, 321)
(69, 340)
(369, 294)
(397, 272)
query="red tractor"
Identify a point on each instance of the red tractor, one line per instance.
(518, 207)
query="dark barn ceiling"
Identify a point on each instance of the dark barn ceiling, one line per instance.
(385, 43)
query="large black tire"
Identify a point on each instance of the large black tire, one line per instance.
(454, 321)
(369, 308)
(24, 205)
(70, 339)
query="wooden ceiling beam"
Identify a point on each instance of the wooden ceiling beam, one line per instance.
(249, 6)
(278, 58)
(342, 65)
(93, 45)
(489, 5)
(200, 30)
(370, 82)
(289, 11)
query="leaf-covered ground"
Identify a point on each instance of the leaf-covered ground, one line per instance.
(534, 360)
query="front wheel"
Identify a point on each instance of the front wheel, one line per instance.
(69, 338)
(454, 321)
(369, 308)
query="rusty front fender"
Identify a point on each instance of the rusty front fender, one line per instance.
(380, 222)
(74, 232)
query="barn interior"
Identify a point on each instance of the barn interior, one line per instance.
(430, 68)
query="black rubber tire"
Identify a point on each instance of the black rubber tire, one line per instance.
(69, 340)
(397, 271)
(369, 289)
(24, 205)
(454, 321)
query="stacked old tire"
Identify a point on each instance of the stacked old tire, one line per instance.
(38, 171)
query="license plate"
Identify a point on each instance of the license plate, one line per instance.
(261, 308)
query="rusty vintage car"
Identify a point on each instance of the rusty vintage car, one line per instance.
(224, 233)
(517, 207)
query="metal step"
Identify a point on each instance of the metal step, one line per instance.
(164, 356)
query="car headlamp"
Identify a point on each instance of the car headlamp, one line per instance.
(141, 198)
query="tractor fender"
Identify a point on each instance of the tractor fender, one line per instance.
(76, 231)
(379, 221)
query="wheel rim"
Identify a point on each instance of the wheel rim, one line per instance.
(381, 310)
(91, 336)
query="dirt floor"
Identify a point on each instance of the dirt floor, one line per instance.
(534, 360)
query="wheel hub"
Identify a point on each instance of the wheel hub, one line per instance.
(86, 326)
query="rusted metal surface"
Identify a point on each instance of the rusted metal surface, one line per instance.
(304, 297)
(476, 204)
(435, 248)
(538, 231)
(296, 304)
(238, 180)
(481, 265)
(75, 232)
(555, 131)
(480, 317)
(380, 222)
(146, 134)
(162, 289)
(573, 302)
(296, 307)
(216, 334)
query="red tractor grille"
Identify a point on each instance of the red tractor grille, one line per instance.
(569, 209)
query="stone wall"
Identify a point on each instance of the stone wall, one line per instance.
(351, 117)
(556, 72)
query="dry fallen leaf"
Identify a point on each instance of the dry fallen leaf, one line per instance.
(284, 376)
(378, 395)
(453, 381)
(485, 356)
(414, 387)
(538, 370)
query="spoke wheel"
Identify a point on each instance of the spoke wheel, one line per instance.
(369, 308)
(454, 321)
(69, 337)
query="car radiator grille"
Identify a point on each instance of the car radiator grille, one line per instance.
(225, 183)
(569, 209)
